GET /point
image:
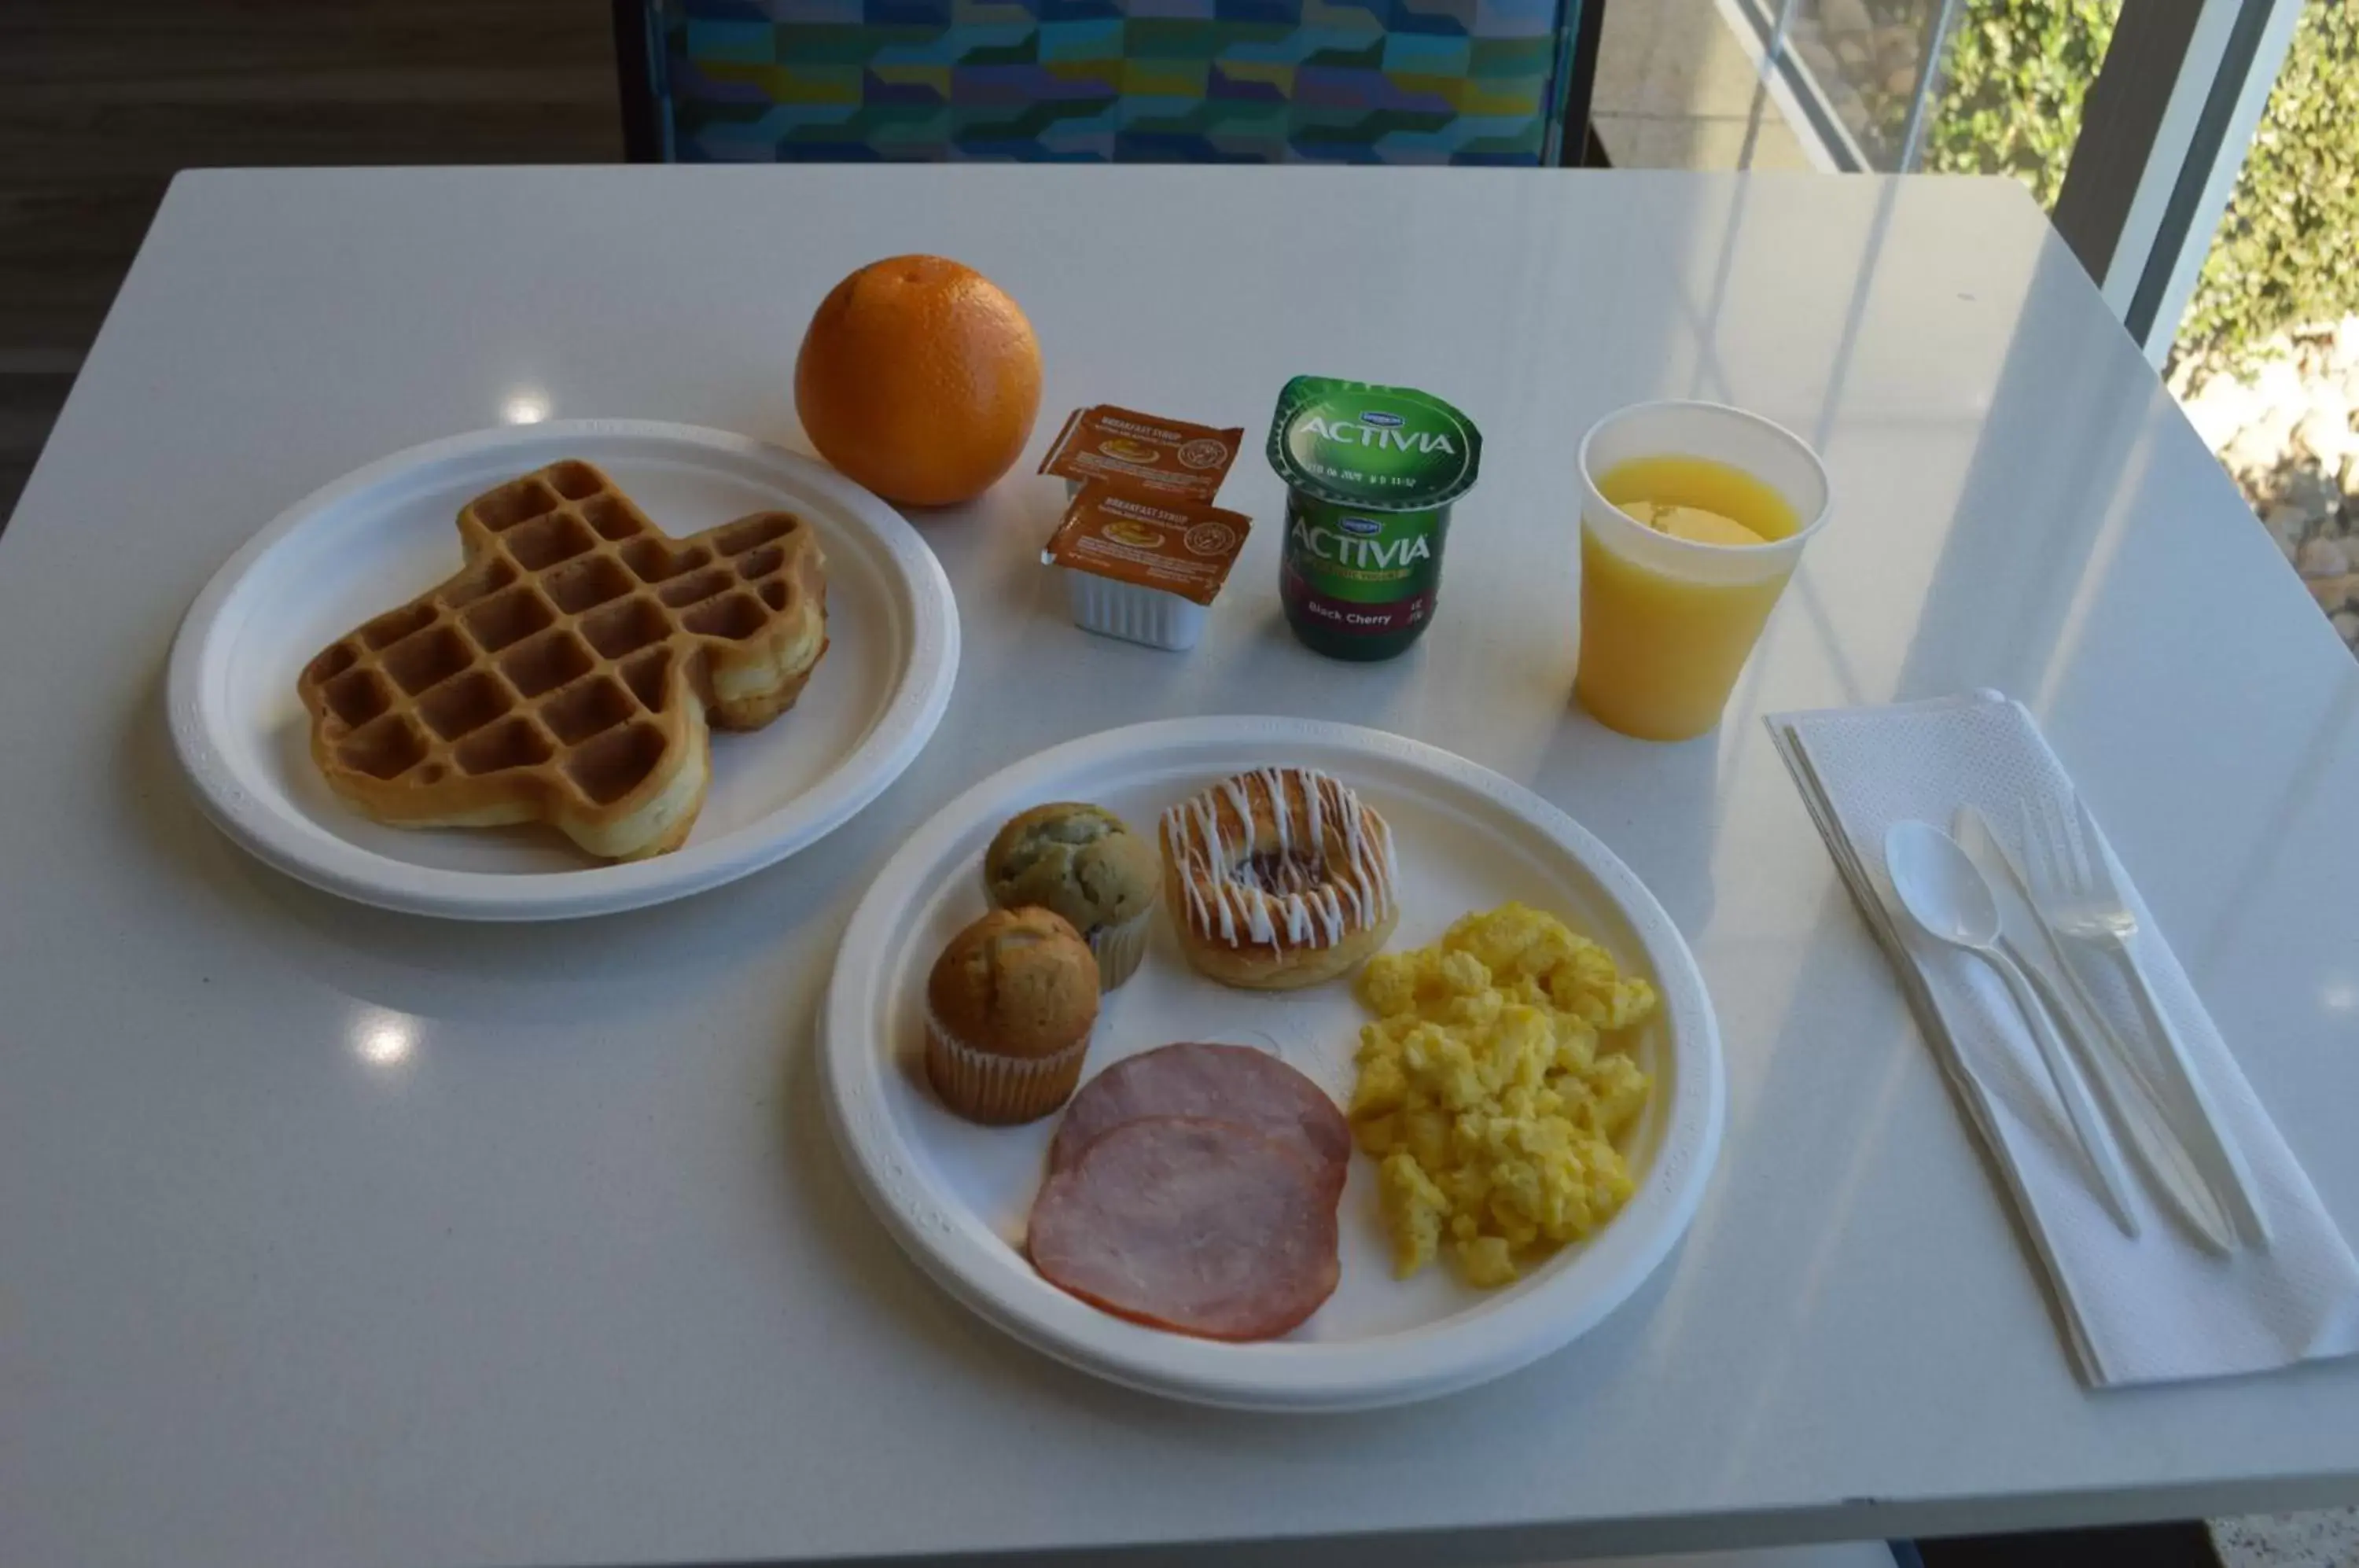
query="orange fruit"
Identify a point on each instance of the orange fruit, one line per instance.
(919, 378)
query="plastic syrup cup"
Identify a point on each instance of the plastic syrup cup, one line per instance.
(1666, 624)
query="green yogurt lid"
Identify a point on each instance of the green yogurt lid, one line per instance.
(1389, 448)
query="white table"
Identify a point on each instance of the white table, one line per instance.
(334, 1236)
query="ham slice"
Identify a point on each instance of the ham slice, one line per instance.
(1205, 1227)
(1219, 1083)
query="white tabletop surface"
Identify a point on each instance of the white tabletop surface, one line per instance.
(334, 1236)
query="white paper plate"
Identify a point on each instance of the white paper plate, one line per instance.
(376, 537)
(956, 1195)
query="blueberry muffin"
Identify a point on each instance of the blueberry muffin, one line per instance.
(1083, 863)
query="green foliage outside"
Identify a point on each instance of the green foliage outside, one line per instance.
(2287, 253)
(2014, 75)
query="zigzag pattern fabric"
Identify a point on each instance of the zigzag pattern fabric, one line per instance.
(1458, 82)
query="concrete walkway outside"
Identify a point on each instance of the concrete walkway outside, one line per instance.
(1677, 87)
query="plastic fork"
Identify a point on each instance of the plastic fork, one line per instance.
(2073, 890)
(2108, 1061)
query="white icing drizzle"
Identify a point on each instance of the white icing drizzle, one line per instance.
(1286, 891)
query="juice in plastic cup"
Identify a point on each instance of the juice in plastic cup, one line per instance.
(1667, 622)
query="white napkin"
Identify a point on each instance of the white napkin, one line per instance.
(2152, 1309)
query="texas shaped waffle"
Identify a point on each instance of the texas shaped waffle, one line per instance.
(568, 673)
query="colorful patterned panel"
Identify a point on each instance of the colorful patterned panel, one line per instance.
(1467, 82)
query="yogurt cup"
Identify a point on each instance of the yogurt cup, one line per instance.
(1371, 473)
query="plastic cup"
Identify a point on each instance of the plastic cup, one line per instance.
(1666, 624)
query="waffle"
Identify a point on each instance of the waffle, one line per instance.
(568, 673)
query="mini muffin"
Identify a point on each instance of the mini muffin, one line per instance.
(1009, 1008)
(1083, 863)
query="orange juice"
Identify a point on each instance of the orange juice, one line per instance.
(1680, 565)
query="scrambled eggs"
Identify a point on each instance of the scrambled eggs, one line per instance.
(1488, 1096)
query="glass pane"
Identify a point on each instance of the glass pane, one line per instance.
(2014, 75)
(1861, 62)
(2267, 357)
(1679, 85)
(1841, 84)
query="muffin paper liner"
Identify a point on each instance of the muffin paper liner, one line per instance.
(1120, 948)
(986, 1086)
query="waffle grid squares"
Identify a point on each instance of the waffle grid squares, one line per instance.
(565, 638)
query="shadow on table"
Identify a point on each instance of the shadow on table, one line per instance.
(1656, 806)
(1824, 1087)
(622, 965)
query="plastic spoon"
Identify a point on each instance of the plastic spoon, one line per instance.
(1944, 892)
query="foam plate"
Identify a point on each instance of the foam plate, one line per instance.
(955, 1196)
(379, 537)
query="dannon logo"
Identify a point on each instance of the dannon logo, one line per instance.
(1363, 527)
(1378, 416)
